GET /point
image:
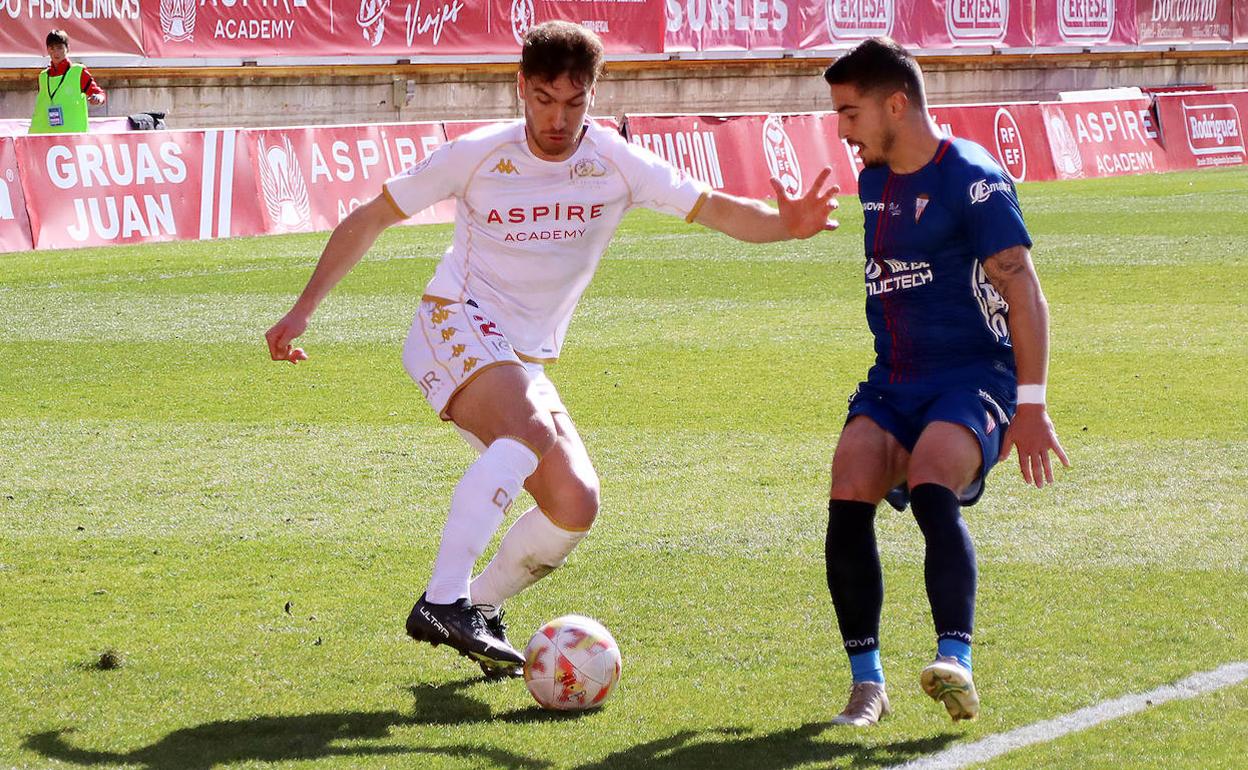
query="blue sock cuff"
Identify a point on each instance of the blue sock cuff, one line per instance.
(866, 667)
(955, 648)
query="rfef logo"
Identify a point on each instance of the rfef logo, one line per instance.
(781, 158)
(177, 19)
(977, 19)
(1213, 129)
(1082, 21)
(1010, 148)
(859, 19)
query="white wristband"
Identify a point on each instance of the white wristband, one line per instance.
(1031, 394)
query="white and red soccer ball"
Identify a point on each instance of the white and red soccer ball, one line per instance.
(571, 664)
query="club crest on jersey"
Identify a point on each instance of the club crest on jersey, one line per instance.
(505, 166)
(587, 167)
(920, 205)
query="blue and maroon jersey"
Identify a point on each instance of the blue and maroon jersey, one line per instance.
(934, 314)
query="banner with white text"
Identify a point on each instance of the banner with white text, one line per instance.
(1204, 130)
(94, 26)
(1096, 139)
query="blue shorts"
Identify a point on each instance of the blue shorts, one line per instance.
(904, 411)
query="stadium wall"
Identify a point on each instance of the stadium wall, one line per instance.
(208, 97)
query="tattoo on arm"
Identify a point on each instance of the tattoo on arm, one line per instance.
(1004, 266)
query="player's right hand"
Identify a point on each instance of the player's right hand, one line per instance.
(283, 333)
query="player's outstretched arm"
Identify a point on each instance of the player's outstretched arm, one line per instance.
(1014, 276)
(347, 245)
(752, 220)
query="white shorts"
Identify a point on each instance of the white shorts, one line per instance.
(450, 343)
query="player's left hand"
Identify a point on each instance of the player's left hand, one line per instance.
(808, 215)
(1033, 433)
(96, 99)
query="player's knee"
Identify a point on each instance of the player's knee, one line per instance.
(575, 506)
(850, 488)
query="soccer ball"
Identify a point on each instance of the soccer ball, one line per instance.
(571, 664)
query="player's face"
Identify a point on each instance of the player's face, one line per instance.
(58, 52)
(864, 121)
(554, 111)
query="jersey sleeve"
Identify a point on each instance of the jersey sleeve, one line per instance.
(658, 185)
(994, 218)
(441, 175)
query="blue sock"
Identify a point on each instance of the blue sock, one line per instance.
(954, 648)
(866, 667)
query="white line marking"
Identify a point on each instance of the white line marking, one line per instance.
(226, 209)
(207, 193)
(1052, 729)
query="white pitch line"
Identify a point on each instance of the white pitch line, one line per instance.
(1052, 729)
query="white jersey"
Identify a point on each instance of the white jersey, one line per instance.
(529, 232)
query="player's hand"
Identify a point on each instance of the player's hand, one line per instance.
(808, 215)
(1033, 433)
(283, 333)
(96, 99)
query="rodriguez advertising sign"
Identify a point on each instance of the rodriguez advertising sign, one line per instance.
(1204, 130)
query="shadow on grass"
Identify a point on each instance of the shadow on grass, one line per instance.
(339, 734)
(741, 748)
(306, 736)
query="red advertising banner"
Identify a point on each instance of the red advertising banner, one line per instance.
(94, 26)
(934, 24)
(743, 25)
(1013, 133)
(236, 28)
(14, 227)
(1185, 21)
(309, 179)
(1241, 21)
(1086, 22)
(1093, 139)
(1204, 130)
(739, 153)
(84, 190)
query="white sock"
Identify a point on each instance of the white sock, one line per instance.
(531, 549)
(480, 501)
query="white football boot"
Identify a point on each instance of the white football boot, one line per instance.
(948, 681)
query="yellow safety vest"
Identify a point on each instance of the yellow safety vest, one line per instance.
(62, 106)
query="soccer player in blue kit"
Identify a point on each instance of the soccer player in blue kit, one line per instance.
(961, 342)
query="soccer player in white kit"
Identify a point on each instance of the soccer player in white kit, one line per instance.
(537, 202)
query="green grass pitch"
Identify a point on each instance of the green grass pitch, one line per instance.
(165, 491)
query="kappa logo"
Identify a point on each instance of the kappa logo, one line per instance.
(859, 19)
(1083, 21)
(981, 190)
(521, 19)
(977, 19)
(1213, 129)
(177, 20)
(372, 20)
(781, 158)
(1066, 156)
(505, 166)
(285, 194)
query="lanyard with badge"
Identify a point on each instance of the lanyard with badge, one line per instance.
(56, 116)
